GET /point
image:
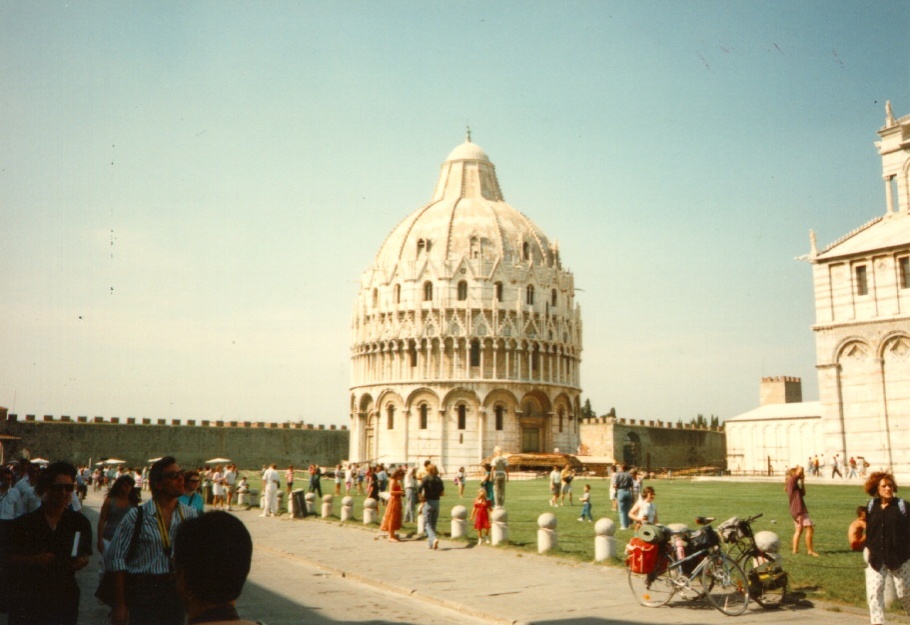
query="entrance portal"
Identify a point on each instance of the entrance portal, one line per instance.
(530, 440)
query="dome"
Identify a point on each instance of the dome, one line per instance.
(467, 218)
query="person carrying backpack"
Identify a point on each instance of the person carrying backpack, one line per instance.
(887, 544)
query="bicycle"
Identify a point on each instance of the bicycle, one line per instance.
(677, 560)
(758, 556)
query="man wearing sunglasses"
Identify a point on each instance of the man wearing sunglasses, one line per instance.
(47, 547)
(145, 588)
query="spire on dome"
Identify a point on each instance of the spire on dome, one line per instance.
(468, 139)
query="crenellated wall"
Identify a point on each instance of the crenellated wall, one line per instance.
(654, 444)
(248, 444)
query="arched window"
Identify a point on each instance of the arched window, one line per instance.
(390, 417)
(462, 291)
(428, 291)
(424, 412)
(535, 359)
(462, 417)
(375, 298)
(499, 417)
(529, 298)
(525, 251)
(553, 298)
(397, 293)
(412, 352)
(421, 246)
(475, 353)
(561, 417)
(497, 291)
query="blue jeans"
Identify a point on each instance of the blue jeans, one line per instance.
(624, 499)
(431, 515)
(586, 511)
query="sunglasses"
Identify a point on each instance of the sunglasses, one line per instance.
(63, 487)
(173, 475)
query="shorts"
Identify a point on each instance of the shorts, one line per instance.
(554, 488)
(566, 488)
(803, 520)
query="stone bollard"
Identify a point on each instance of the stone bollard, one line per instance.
(499, 527)
(604, 541)
(347, 508)
(546, 534)
(370, 507)
(327, 505)
(459, 514)
(310, 503)
(421, 522)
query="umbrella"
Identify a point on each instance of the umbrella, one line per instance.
(217, 460)
(39, 461)
(154, 460)
(114, 461)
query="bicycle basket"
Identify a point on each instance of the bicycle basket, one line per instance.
(641, 557)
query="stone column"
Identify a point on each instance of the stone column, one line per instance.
(499, 527)
(546, 533)
(459, 514)
(370, 507)
(347, 508)
(889, 193)
(604, 541)
(327, 505)
(310, 503)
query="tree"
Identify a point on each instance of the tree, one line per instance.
(587, 411)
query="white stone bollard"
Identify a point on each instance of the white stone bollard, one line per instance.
(459, 514)
(604, 541)
(499, 526)
(546, 534)
(347, 508)
(421, 522)
(370, 507)
(327, 505)
(310, 503)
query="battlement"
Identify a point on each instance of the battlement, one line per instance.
(782, 378)
(30, 418)
(650, 423)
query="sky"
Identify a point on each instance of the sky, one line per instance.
(189, 192)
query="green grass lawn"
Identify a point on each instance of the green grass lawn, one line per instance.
(836, 576)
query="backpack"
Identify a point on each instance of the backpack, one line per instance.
(900, 504)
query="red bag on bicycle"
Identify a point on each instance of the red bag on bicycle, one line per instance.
(641, 557)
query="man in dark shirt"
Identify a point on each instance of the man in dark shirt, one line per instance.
(431, 489)
(47, 547)
(622, 484)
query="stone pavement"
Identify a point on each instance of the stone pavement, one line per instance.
(325, 572)
(495, 584)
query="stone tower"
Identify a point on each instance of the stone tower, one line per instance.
(466, 334)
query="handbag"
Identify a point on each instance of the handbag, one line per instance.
(105, 592)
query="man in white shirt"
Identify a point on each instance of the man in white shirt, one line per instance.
(26, 487)
(10, 499)
(230, 484)
(270, 487)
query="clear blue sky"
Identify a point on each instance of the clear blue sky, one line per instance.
(189, 192)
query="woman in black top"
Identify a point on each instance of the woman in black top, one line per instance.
(887, 544)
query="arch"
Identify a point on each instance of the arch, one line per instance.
(428, 291)
(893, 339)
(396, 293)
(375, 297)
(497, 291)
(631, 449)
(462, 290)
(529, 295)
(459, 394)
(554, 298)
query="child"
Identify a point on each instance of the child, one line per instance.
(857, 532)
(644, 510)
(481, 515)
(586, 505)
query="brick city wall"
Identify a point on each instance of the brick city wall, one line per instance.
(248, 444)
(654, 444)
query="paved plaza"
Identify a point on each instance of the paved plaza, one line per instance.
(320, 572)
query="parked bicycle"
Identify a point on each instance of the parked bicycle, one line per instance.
(757, 554)
(690, 563)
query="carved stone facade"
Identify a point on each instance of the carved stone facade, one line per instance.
(466, 334)
(862, 298)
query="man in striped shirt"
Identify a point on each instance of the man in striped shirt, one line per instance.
(145, 588)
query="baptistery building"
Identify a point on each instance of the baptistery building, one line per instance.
(466, 333)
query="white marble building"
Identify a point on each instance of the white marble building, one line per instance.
(466, 334)
(862, 302)
(862, 332)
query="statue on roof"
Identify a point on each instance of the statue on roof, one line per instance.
(889, 117)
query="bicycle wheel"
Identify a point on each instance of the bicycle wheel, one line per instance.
(652, 591)
(725, 584)
(767, 583)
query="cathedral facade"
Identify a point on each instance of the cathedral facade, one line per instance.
(862, 301)
(466, 334)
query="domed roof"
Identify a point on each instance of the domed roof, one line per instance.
(467, 218)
